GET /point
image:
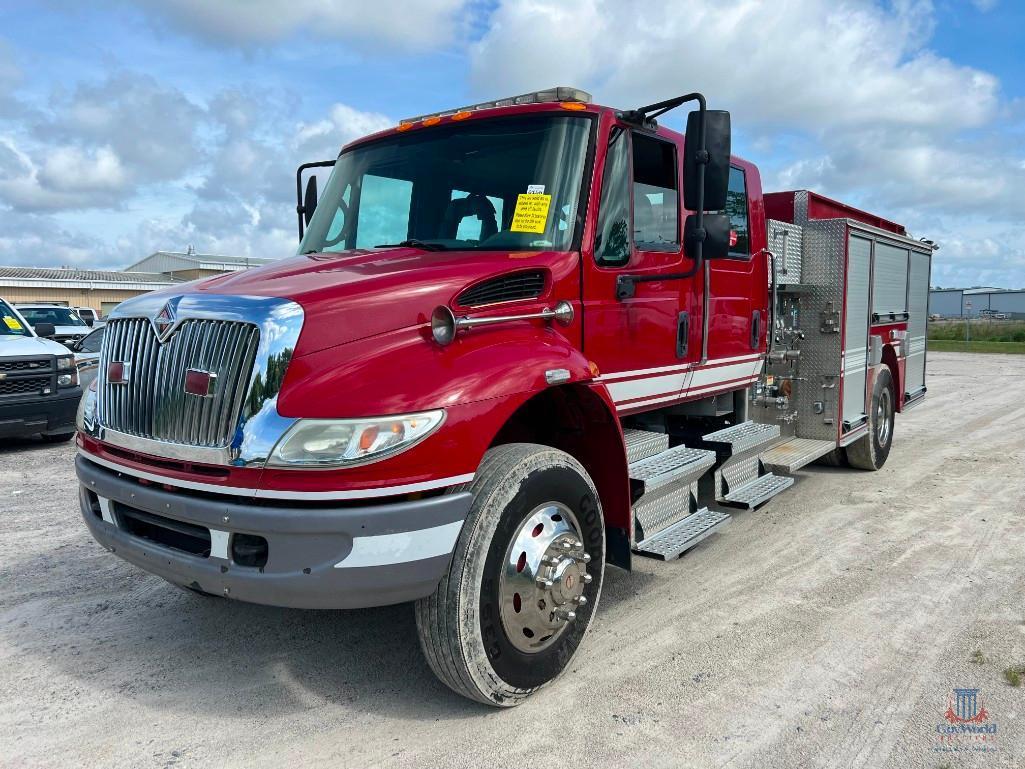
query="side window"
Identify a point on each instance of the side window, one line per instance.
(655, 194)
(93, 341)
(736, 208)
(384, 205)
(612, 241)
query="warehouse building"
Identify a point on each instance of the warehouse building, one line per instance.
(192, 266)
(104, 290)
(974, 302)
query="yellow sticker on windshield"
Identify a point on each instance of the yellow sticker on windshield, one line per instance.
(531, 212)
(12, 323)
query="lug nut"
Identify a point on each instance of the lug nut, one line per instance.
(587, 579)
(581, 600)
(583, 557)
(567, 616)
(546, 584)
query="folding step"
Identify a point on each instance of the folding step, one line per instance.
(682, 535)
(641, 444)
(734, 440)
(754, 493)
(794, 454)
(676, 465)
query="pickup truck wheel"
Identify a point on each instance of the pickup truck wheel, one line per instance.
(871, 451)
(524, 580)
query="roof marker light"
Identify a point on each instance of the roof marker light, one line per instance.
(561, 94)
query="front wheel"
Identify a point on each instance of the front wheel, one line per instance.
(524, 580)
(871, 451)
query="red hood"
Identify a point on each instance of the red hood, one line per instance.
(357, 294)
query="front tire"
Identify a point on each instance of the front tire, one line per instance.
(871, 451)
(524, 580)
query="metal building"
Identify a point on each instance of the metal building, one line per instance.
(975, 302)
(102, 290)
(190, 265)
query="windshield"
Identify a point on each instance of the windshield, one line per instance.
(508, 183)
(58, 316)
(10, 324)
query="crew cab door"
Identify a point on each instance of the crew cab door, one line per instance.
(642, 344)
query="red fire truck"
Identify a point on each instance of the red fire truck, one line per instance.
(521, 341)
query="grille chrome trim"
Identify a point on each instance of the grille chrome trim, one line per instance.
(153, 403)
(246, 340)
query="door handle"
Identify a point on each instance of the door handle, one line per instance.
(682, 334)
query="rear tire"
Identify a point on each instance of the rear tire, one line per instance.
(533, 544)
(870, 452)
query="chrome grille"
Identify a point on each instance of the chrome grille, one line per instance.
(153, 402)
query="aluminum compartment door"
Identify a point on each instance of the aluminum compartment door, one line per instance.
(855, 330)
(918, 308)
(889, 280)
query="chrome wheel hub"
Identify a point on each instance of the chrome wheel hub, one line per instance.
(883, 418)
(543, 578)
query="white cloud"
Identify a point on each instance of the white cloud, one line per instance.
(408, 24)
(811, 64)
(849, 88)
(985, 6)
(324, 138)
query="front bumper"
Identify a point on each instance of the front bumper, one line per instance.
(318, 557)
(50, 414)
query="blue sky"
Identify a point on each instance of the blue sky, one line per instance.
(134, 126)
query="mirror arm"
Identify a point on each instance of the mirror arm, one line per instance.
(299, 208)
(626, 284)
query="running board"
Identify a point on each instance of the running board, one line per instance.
(794, 454)
(674, 540)
(739, 439)
(680, 465)
(754, 493)
(641, 444)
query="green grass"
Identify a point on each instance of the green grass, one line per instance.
(978, 657)
(981, 330)
(945, 345)
(1014, 675)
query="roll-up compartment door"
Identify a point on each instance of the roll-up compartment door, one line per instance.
(918, 309)
(856, 321)
(890, 280)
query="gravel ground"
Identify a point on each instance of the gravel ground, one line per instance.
(827, 629)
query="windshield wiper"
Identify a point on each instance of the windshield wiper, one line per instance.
(414, 243)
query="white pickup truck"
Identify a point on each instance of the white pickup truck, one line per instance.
(39, 390)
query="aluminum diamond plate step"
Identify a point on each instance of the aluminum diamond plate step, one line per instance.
(641, 444)
(794, 454)
(738, 438)
(752, 494)
(683, 535)
(676, 465)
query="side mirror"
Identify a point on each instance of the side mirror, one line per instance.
(310, 199)
(45, 330)
(716, 235)
(717, 169)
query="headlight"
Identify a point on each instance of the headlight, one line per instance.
(86, 419)
(69, 379)
(343, 442)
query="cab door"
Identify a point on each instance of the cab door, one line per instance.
(643, 345)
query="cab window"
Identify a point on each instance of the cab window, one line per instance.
(655, 196)
(612, 243)
(736, 209)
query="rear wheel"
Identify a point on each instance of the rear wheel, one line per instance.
(871, 451)
(524, 580)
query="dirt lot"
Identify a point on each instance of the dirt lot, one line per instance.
(827, 629)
